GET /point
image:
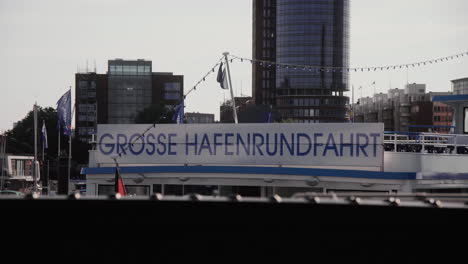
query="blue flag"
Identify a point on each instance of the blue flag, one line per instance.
(269, 119)
(221, 78)
(64, 113)
(44, 136)
(179, 114)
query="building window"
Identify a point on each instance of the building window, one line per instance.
(83, 85)
(172, 87)
(142, 70)
(465, 121)
(171, 96)
(21, 167)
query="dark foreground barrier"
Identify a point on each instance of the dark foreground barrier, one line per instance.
(225, 229)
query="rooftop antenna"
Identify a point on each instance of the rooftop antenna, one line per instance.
(95, 70)
(87, 69)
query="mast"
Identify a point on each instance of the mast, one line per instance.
(230, 87)
(352, 103)
(35, 149)
(70, 144)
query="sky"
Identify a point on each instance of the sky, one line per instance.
(44, 43)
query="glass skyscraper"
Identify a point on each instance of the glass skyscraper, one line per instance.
(312, 33)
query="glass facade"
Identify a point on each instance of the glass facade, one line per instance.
(460, 86)
(130, 90)
(312, 33)
(264, 48)
(172, 91)
(128, 87)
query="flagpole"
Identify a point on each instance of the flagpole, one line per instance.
(48, 181)
(3, 152)
(43, 144)
(230, 87)
(58, 155)
(70, 144)
(64, 120)
(352, 103)
(44, 140)
(118, 180)
(35, 149)
(43, 157)
(69, 159)
(117, 174)
(5, 161)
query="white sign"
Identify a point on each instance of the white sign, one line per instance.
(243, 144)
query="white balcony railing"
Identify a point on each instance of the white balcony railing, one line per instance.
(426, 143)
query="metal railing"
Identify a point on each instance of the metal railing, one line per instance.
(421, 200)
(426, 142)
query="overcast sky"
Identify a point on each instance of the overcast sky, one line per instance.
(44, 42)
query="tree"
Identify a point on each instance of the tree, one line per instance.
(155, 113)
(20, 139)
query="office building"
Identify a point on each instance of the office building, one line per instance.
(225, 109)
(458, 101)
(410, 109)
(264, 48)
(128, 87)
(16, 172)
(313, 33)
(91, 103)
(460, 86)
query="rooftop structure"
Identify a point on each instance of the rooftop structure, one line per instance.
(409, 109)
(117, 97)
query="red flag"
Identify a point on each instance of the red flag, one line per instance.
(119, 184)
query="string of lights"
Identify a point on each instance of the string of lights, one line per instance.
(296, 67)
(346, 69)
